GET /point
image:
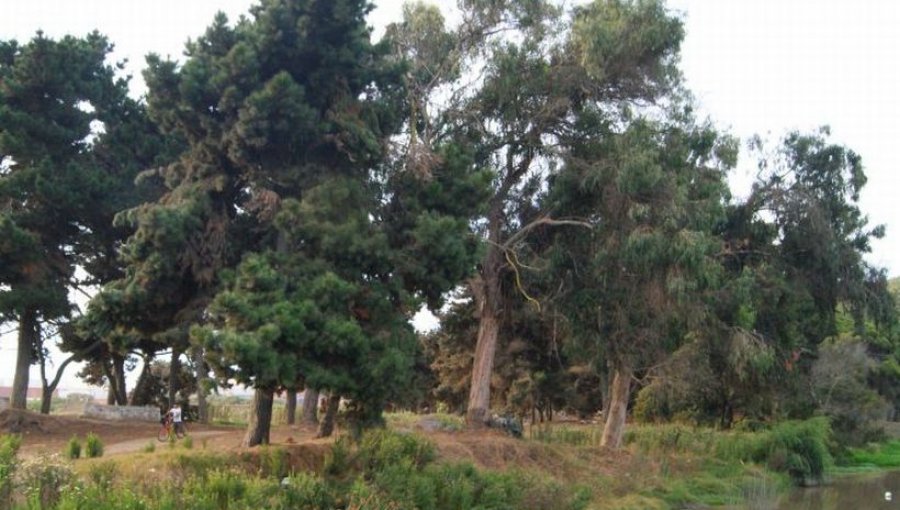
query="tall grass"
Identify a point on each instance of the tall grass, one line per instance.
(564, 434)
(796, 448)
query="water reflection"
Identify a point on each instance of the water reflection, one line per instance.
(865, 492)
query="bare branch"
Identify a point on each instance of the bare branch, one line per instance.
(545, 220)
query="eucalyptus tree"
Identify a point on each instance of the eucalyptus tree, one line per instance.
(57, 99)
(540, 68)
(655, 191)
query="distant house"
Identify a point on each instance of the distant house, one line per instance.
(33, 393)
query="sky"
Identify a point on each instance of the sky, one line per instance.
(762, 67)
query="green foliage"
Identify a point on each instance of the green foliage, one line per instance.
(187, 443)
(797, 448)
(381, 448)
(93, 446)
(9, 448)
(885, 455)
(73, 448)
(273, 462)
(150, 447)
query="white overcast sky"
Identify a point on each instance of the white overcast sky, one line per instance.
(755, 66)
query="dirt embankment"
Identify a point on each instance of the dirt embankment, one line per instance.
(487, 449)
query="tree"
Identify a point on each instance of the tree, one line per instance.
(288, 117)
(611, 54)
(655, 192)
(51, 94)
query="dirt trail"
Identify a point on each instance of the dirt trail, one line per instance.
(136, 445)
(48, 434)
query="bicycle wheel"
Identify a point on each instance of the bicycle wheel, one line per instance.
(163, 435)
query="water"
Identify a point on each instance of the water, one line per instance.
(863, 492)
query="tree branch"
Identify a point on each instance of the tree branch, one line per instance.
(546, 220)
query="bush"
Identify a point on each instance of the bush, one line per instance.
(381, 448)
(93, 446)
(150, 447)
(798, 448)
(188, 442)
(73, 448)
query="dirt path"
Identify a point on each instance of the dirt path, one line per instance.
(136, 445)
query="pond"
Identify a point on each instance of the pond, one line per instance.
(862, 492)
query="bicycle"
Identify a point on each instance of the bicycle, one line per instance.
(169, 432)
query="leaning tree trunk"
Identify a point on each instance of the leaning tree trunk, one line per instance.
(121, 391)
(291, 407)
(260, 421)
(310, 407)
(487, 291)
(28, 331)
(326, 426)
(618, 407)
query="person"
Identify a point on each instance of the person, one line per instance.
(175, 416)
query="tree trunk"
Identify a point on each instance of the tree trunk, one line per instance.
(121, 391)
(260, 418)
(618, 407)
(291, 407)
(326, 427)
(46, 398)
(174, 369)
(310, 407)
(27, 341)
(486, 293)
(139, 395)
(202, 384)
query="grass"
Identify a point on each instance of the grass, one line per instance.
(885, 455)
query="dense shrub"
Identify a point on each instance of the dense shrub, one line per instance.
(93, 446)
(798, 448)
(73, 448)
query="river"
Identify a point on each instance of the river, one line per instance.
(861, 492)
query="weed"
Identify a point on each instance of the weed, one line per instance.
(563, 434)
(188, 442)
(43, 480)
(150, 447)
(273, 462)
(103, 474)
(93, 446)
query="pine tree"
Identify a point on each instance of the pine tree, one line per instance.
(52, 96)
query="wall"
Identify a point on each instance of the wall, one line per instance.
(121, 413)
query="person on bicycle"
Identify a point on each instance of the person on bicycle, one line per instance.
(175, 416)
